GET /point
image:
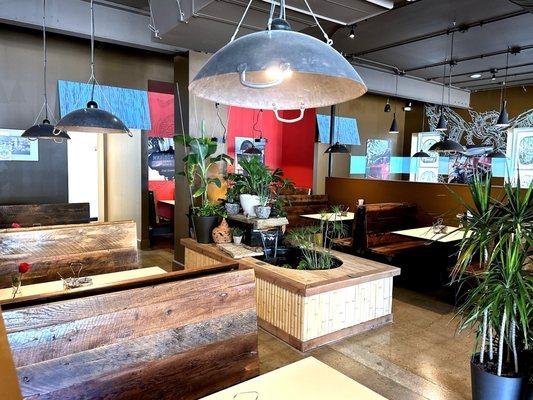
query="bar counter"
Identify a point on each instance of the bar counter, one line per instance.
(310, 308)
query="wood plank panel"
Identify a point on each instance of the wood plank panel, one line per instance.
(100, 247)
(44, 214)
(175, 339)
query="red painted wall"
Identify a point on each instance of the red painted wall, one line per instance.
(289, 146)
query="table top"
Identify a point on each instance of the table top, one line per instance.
(307, 379)
(453, 234)
(6, 295)
(350, 216)
(169, 202)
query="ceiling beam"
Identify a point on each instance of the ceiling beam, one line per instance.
(118, 25)
(459, 28)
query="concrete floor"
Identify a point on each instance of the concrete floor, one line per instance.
(419, 356)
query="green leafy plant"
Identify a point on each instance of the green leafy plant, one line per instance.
(197, 163)
(237, 231)
(314, 255)
(498, 233)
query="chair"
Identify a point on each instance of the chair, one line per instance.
(159, 226)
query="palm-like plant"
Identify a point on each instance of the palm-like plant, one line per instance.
(499, 232)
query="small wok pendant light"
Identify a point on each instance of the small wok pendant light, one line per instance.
(421, 154)
(91, 118)
(278, 69)
(503, 118)
(44, 130)
(447, 146)
(337, 148)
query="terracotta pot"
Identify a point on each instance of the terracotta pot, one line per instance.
(222, 233)
(248, 203)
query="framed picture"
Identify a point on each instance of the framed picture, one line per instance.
(378, 155)
(244, 143)
(15, 148)
(520, 152)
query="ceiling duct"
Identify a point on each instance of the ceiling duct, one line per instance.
(525, 4)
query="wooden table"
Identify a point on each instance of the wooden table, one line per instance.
(46, 288)
(307, 379)
(169, 202)
(350, 216)
(453, 234)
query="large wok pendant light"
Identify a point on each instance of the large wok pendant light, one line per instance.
(278, 69)
(44, 130)
(503, 118)
(91, 118)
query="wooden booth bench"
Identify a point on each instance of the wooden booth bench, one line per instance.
(44, 214)
(98, 247)
(177, 335)
(299, 204)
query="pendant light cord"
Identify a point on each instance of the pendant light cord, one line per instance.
(44, 61)
(240, 22)
(450, 75)
(504, 89)
(92, 77)
(328, 40)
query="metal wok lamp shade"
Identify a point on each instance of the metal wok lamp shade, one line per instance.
(496, 153)
(420, 154)
(271, 70)
(447, 146)
(45, 131)
(253, 151)
(337, 148)
(91, 118)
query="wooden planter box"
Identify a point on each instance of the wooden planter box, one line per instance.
(308, 309)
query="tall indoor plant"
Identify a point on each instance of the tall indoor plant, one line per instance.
(498, 235)
(199, 159)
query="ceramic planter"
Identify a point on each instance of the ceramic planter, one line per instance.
(237, 239)
(203, 227)
(262, 212)
(248, 203)
(232, 208)
(487, 386)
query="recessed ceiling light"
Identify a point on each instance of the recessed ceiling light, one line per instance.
(475, 76)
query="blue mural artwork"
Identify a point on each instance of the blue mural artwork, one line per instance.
(346, 131)
(129, 105)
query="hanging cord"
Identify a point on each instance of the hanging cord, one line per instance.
(256, 121)
(151, 25)
(271, 14)
(92, 78)
(217, 107)
(240, 22)
(451, 71)
(182, 16)
(328, 40)
(282, 13)
(44, 61)
(504, 91)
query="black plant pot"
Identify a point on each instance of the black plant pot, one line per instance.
(487, 386)
(203, 227)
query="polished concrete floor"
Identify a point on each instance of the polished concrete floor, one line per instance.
(419, 356)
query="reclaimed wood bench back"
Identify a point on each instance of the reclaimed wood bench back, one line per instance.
(100, 247)
(171, 336)
(28, 215)
(299, 204)
(375, 222)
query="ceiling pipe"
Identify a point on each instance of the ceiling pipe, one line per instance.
(485, 70)
(459, 28)
(473, 80)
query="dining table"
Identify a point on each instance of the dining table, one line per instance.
(330, 217)
(446, 234)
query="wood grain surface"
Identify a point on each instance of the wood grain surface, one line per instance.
(28, 215)
(181, 338)
(100, 247)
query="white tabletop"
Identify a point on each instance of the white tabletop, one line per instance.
(169, 202)
(452, 234)
(98, 281)
(330, 216)
(307, 379)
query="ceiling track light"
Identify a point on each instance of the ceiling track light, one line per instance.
(44, 130)
(408, 106)
(387, 106)
(91, 118)
(352, 31)
(238, 74)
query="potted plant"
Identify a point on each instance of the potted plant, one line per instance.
(262, 210)
(237, 235)
(498, 235)
(231, 205)
(199, 160)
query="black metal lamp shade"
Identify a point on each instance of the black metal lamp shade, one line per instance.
(337, 148)
(421, 154)
(45, 131)
(278, 70)
(394, 125)
(92, 119)
(447, 146)
(503, 118)
(442, 125)
(253, 151)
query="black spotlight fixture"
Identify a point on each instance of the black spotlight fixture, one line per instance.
(394, 125)
(91, 118)
(408, 106)
(45, 130)
(387, 106)
(337, 148)
(493, 72)
(352, 31)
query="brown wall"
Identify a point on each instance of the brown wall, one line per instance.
(435, 200)
(519, 99)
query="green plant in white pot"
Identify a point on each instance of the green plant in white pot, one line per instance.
(498, 235)
(200, 158)
(262, 210)
(237, 235)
